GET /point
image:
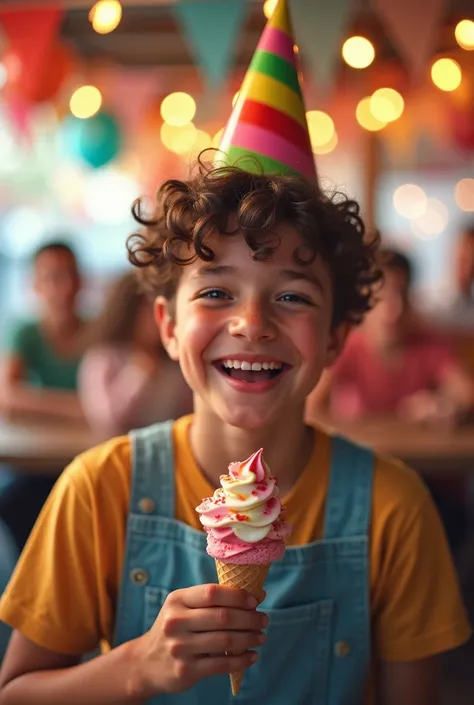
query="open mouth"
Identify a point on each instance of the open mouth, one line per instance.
(251, 371)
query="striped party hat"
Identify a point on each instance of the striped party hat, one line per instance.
(268, 129)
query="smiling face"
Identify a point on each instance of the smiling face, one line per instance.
(252, 337)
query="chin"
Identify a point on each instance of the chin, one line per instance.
(248, 419)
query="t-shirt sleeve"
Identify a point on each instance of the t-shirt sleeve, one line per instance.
(418, 610)
(52, 597)
(20, 341)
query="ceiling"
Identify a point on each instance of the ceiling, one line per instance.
(148, 34)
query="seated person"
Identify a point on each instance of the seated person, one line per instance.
(392, 364)
(126, 379)
(42, 356)
(39, 375)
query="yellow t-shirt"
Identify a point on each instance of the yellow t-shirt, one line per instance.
(64, 590)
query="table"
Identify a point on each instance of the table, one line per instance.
(47, 447)
(440, 451)
(42, 447)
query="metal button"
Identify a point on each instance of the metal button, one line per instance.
(342, 648)
(147, 505)
(139, 576)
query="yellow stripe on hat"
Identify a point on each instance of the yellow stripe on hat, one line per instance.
(266, 90)
(280, 18)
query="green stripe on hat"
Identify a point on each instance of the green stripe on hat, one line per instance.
(257, 163)
(275, 67)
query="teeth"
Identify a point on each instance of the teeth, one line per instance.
(254, 366)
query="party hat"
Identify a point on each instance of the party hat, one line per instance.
(268, 128)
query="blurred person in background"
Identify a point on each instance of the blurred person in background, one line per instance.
(126, 379)
(394, 365)
(39, 376)
(41, 359)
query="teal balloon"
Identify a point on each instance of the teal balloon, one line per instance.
(96, 140)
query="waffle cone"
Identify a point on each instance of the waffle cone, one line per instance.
(250, 578)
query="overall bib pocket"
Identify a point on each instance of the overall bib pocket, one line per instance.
(295, 657)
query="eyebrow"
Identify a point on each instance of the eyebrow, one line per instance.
(214, 269)
(300, 275)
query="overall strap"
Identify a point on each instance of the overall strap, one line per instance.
(153, 470)
(349, 500)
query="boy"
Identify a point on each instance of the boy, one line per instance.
(249, 270)
(256, 279)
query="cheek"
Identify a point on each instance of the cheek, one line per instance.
(197, 333)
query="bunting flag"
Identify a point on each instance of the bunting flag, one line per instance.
(320, 28)
(268, 129)
(130, 92)
(30, 33)
(412, 25)
(212, 28)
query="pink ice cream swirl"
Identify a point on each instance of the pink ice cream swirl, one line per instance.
(243, 518)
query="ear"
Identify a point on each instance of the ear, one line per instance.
(165, 321)
(337, 340)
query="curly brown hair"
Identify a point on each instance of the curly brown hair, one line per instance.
(188, 213)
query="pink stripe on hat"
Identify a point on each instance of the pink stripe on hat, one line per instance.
(277, 42)
(271, 145)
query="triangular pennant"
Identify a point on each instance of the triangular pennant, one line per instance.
(30, 33)
(130, 92)
(413, 27)
(320, 27)
(267, 129)
(211, 28)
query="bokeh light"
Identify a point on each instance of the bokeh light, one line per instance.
(202, 141)
(321, 128)
(446, 74)
(269, 7)
(464, 34)
(178, 109)
(216, 140)
(85, 102)
(410, 201)
(358, 52)
(365, 118)
(386, 105)
(464, 195)
(178, 138)
(432, 222)
(105, 16)
(327, 147)
(107, 196)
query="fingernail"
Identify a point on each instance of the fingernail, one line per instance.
(251, 601)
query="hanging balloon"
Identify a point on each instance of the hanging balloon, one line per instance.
(38, 86)
(96, 140)
(463, 129)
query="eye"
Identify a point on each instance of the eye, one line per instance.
(218, 294)
(290, 298)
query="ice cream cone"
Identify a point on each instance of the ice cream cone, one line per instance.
(248, 577)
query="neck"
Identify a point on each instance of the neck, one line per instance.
(61, 325)
(287, 445)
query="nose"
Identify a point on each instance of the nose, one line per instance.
(254, 322)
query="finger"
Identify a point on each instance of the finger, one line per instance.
(261, 596)
(221, 642)
(213, 665)
(225, 619)
(213, 595)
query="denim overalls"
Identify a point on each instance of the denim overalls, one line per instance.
(318, 640)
